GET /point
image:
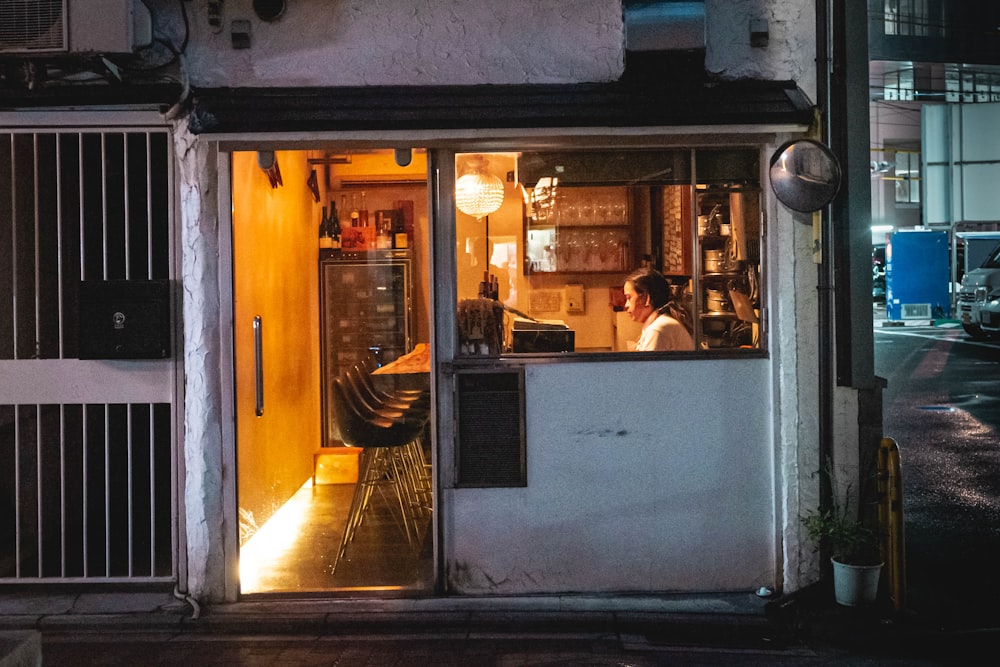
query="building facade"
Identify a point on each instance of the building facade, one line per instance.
(208, 157)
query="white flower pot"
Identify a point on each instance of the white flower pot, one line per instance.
(855, 585)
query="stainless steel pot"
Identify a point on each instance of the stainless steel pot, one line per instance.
(715, 261)
(716, 301)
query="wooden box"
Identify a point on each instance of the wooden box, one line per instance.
(335, 465)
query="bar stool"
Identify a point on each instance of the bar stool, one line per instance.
(368, 366)
(400, 397)
(383, 463)
(413, 408)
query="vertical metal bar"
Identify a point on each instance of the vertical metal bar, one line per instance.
(131, 530)
(13, 247)
(17, 490)
(152, 494)
(38, 256)
(59, 249)
(104, 203)
(258, 365)
(149, 206)
(83, 244)
(38, 487)
(85, 445)
(107, 490)
(62, 490)
(125, 208)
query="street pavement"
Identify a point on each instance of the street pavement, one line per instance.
(806, 628)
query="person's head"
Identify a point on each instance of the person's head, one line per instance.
(646, 290)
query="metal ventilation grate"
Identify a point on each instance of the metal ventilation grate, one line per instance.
(32, 25)
(491, 443)
(916, 311)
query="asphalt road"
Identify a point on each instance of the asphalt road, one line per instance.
(942, 406)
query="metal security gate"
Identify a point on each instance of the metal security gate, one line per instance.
(87, 447)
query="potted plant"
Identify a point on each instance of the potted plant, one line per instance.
(854, 553)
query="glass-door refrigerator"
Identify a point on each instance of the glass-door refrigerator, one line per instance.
(365, 312)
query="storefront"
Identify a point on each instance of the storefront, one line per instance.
(558, 460)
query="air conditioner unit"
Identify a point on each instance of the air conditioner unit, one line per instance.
(29, 27)
(916, 311)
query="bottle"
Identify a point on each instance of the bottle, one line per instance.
(363, 213)
(399, 237)
(334, 228)
(355, 213)
(325, 241)
(383, 229)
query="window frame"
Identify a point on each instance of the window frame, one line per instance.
(751, 186)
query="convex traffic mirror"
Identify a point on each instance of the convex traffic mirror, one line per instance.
(805, 175)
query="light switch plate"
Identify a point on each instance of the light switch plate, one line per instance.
(574, 299)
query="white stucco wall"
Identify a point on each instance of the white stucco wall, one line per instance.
(412, 42)
(203, 382)
(790, 53)
(652, 476)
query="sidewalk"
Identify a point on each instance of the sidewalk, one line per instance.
(157, 628)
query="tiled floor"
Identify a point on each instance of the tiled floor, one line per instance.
(379, 558)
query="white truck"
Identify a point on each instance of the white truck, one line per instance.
(979, 298)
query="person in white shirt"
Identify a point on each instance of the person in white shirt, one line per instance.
(666, 324)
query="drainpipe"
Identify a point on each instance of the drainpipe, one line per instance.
(824, 269)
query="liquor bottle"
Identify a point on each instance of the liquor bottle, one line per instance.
(334, 228)
(383, 229)
(399, 237)
(325, 241)
(355, 214)
(363, 213)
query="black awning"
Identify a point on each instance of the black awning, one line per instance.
(162, 96)
(618, 104)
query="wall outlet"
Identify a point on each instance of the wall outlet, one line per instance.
(574, 299)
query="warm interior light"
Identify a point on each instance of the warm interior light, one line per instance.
(478, 193)
(264, 551)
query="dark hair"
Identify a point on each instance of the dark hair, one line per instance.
(647, 281)
(651, 282)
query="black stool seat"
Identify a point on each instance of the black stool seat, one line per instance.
(386, 460)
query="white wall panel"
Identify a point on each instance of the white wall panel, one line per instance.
(647, 484)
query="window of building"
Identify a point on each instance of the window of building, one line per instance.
(547, 239)
(906, 176)
(911, 18)
(971, 85)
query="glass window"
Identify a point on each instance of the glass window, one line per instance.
(911, 18)
(906, 176)
(548, 243)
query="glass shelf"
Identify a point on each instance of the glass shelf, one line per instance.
(579, 230)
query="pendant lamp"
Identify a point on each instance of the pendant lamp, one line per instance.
(478, 192)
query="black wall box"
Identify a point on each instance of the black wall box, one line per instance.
(124, 319)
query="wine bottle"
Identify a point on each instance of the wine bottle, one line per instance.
(325, 241)
(334, 228)
(355, 214)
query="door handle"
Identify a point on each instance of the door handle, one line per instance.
(258, 365)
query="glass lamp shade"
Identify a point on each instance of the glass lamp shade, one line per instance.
(478, 194)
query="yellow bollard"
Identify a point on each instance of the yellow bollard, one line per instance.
(890, 520)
